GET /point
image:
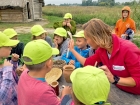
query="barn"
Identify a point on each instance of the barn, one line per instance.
(20, 10)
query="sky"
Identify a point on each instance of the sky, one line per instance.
(57, 2)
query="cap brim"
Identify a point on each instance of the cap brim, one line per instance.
(55, 51)
(12, 43)
(39, 33)
(78, 36)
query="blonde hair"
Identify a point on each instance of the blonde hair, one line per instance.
(99, 32)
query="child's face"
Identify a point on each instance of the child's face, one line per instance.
(5, 51)
(67, 20)
(41, 36)
(81, 43)
(58, 39)
(14, 38)
(125, 13)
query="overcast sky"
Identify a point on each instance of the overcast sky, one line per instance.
(73, 1)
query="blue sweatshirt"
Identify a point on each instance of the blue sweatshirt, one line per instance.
(83, 53)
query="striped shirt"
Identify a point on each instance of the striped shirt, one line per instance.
(8, 86)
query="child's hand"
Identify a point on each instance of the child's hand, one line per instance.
(71, 45)
(7, 63)
(64, 23)
(55, 43)
(69, 25)
(19, 70)
(15, 57)
(72, 62)
(66, 90)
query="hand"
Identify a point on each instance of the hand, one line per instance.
(66, 90)
(72, 62)
(71, 45)
(7, 63)
(19, 70)
(15, 57)
(64, 23)
(108, 73)
(69, 25)
(55, 43)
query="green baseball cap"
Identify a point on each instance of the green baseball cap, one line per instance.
(61, 32)
(38, 51)
(10, 32)
(90, 85)
(37, 30)
(5, 41)
(67, 16)
(79, 34)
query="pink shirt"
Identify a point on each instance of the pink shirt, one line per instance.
(124, 62)
(35, 92)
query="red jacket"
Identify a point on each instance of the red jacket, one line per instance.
(124, 61)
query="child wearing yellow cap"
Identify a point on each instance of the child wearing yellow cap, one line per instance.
(17, 50)
(32, 87)
(90, 86)
(8, 83)
(38, 32)
(81, 47)
(61, 41)
(68, 24)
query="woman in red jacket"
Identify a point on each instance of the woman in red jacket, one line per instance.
(120, 58)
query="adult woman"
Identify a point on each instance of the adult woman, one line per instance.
(121, 58)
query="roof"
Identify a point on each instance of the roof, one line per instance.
(13, 3)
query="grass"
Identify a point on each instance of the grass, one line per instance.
(51, 20)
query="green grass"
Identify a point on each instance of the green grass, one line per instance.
(51, 20)
(25, 38)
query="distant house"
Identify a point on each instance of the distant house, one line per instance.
(20, 10)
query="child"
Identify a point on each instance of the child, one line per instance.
(126, 22)
(16, 51)
(68, 24)
(90, 86)
(8, 84)
(81, 47)
(32, 87)
(39, 33)
(61, 41)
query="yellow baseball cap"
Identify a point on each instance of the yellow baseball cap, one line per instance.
(5, 41)
(79, 34)
(90, 85)
(61, 32)
(67, 16)
(38, 51)
(37, 30)
(10, 32)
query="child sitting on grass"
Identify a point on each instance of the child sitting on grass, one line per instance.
(90, 86)
(17, 51)
(32, 87)
(81, 47)
(61, 42)
(39, 33)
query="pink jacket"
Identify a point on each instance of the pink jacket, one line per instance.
(124, 62)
